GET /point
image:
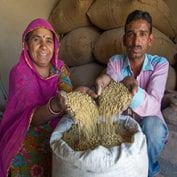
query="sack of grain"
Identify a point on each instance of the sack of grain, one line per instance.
(170, 114)
(170, 98)
(171, 80)
(77, 46)
(163, 46)
(110, 43)
(69, 15)
(85, 74)
(108, 14)
(172, 5)
(100, 162)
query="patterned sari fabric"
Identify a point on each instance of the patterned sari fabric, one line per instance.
(25, 148)
(29, 161)
(34, 158)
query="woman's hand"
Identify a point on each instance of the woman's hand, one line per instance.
(55, 107)
(58, 103)
(87, 90)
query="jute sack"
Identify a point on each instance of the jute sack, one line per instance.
(170, 114)
(110, 43)
(69, 15)
(85, 75)
(77, 46)
(171, 79)
(128, 159)
(163, 46)
(172, 5)
(166, 100)
(169, 98)
(108, 14)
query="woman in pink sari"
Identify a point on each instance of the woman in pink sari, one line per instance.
(34, 104)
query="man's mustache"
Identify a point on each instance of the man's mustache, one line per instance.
(136, 47)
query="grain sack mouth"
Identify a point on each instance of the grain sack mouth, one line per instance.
(96, 122)
(107, 134)
(104, 161)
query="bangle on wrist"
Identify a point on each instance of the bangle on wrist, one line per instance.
(50, 108)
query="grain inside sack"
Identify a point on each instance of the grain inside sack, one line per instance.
(95, 123)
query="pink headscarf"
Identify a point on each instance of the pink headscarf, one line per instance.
(27, 90)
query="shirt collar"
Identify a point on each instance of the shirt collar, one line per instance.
(146, 65)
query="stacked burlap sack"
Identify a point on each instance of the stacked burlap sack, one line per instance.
(92, 32)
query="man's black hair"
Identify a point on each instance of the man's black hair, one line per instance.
(138, 15)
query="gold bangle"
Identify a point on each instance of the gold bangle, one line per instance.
(50, 108)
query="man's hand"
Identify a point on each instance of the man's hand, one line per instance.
(131, 83)
(102, 82)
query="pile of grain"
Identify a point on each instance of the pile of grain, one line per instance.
(94, 124)
(114, 99)
(107, 135)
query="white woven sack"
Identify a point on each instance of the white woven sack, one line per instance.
(129, 159)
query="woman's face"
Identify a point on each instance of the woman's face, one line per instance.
(41, 47)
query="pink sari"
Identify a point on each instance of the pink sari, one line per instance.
(27, 90)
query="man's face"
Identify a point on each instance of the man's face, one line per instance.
(137, 39)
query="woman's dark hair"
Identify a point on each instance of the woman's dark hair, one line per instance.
(27, 36)
(137, 15)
